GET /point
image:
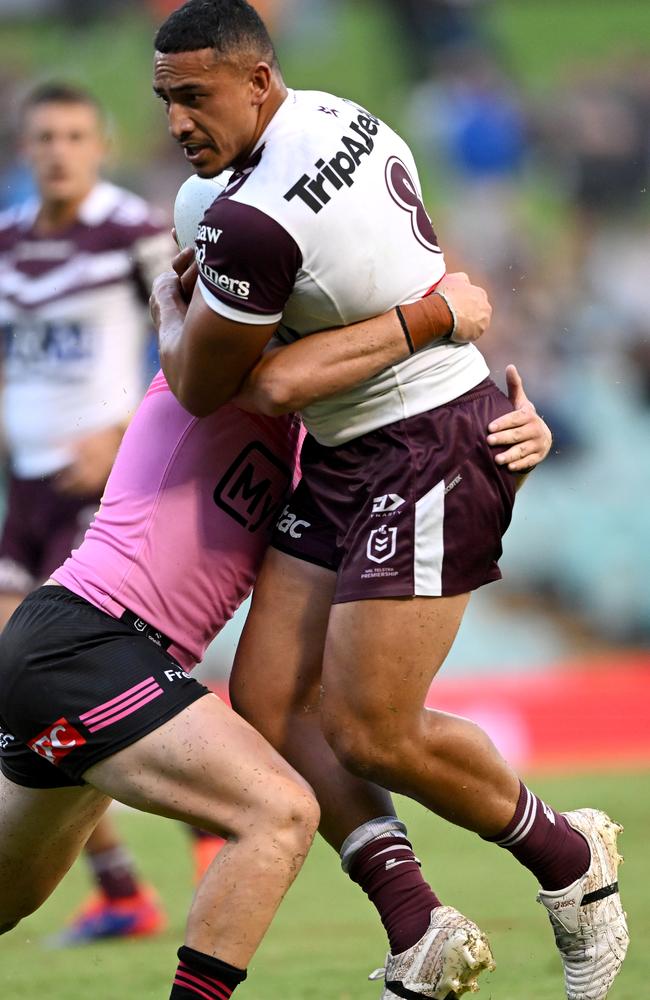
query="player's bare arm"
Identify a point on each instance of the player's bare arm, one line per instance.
(93, 459)
(291, 378)
(529, 438)
(203, 355)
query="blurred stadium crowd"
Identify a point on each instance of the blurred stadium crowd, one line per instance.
(541, 196)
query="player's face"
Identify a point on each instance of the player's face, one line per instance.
(65, 145)
(213, 108)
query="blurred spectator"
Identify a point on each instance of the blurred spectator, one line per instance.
(76, 266)
(16, 183)
(79, 14)
(432, 27)
(471, 123)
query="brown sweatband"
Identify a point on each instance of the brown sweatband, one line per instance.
(427, 320)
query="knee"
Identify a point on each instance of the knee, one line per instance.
(296, 814)
(364, 750)
(12, 915)
(284, 824)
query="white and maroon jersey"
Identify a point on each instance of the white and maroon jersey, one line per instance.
(185, 518)
(325, 226)
(73, 318)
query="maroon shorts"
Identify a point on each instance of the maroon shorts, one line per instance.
(416, 508)
(41, 528)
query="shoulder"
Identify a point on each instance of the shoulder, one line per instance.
(124, 217)
(242, 239)
(238, 221)
(13, 222)
(246, 257)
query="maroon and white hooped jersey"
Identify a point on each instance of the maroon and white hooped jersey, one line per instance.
(73, 319)
(325, 226)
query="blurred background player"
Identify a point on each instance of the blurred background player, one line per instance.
(76, 266)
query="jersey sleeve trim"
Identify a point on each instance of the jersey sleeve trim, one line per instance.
(236, 315)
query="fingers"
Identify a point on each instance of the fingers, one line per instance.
(517, 423)
(515, 386)
(188, 280)
(521, 457)
(69, 481)
(183, 261)
(524, 435)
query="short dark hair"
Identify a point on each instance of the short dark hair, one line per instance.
(59, 92)
(227, 26)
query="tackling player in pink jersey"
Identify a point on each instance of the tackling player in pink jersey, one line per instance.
(96, 699)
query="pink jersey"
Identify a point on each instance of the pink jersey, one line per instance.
(185, 518)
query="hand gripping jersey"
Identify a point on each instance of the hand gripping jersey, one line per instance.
(185, 518)
(73, 319)
(325, 226)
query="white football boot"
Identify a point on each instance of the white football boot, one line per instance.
(443, 964)
(587, 917)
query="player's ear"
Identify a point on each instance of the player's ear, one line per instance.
(261, 76)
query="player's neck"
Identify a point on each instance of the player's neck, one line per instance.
(271, 106)
(277, 97)
(55, 216)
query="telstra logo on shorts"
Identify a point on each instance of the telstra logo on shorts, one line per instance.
(387, 504)
(56, 741)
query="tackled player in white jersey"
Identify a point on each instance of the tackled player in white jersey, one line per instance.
(401, 506)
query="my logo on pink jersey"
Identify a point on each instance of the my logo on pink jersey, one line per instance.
(382, 544)
(58, 740)
(253, 489)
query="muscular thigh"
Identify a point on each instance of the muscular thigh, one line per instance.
(381, 656)
(278, 664)
(42, 831)
(206, 766)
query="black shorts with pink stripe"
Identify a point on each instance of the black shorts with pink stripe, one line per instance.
(77, 685)
(415, 508)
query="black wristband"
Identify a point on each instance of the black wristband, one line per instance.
(405, 330)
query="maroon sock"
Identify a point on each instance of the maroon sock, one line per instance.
(200, 975)
(544, 842)
(114, 872)
(389, 874)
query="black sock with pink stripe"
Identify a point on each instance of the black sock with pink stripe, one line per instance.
(544, 842)
(200, 975)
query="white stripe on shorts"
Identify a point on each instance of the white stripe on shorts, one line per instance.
(429, 544)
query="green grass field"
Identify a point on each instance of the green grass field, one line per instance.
(326, 937)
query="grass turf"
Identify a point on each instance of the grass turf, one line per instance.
(326, 936)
